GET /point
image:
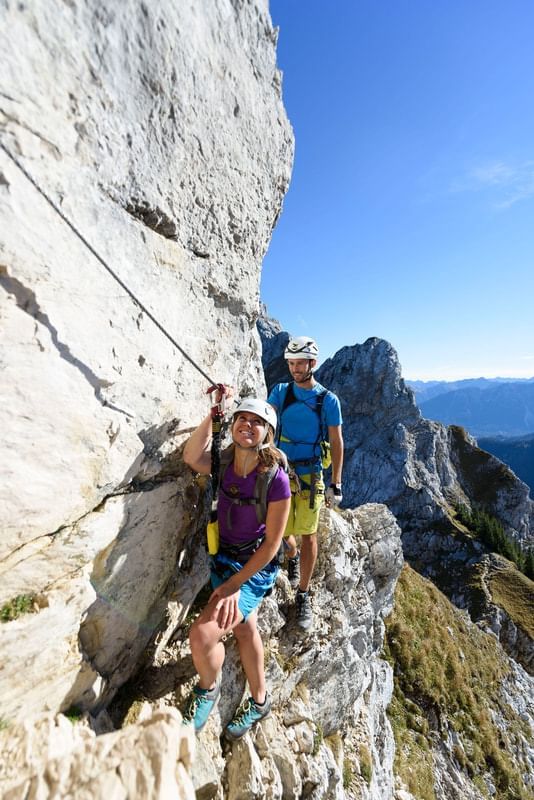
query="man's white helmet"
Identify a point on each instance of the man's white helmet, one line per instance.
(259, 407)
(301, 347)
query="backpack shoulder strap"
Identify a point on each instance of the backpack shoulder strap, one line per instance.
(282, 460)
(263, 484)
(319, 410)
(227, 456)
(289, 397)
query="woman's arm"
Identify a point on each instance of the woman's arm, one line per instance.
(197, 450)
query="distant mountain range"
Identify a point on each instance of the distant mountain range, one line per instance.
(483, 407)
(426, 390)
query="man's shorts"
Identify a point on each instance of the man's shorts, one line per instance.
(303, 519)
(252, 592)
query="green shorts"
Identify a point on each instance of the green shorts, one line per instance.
(304, 520)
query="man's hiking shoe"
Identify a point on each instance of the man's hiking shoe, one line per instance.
(200, 704)
(293, 571)
(247, 715)
(304, 612)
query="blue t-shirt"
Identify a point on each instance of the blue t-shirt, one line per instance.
(243, 520)
(300, 432)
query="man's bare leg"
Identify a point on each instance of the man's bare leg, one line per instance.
(290, 544)
(308, 557)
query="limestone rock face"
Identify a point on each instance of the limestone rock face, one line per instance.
(53, 757)
(159, 132)
(330, 688)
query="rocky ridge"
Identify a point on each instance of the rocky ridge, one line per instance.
(421, 471)
(328, 735)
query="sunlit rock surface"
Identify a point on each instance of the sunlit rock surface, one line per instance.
(52, 757)
(330, 687)
(159, 131)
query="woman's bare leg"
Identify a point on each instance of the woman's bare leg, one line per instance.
(251, 654)
(206, 647)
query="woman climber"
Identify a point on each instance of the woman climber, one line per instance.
(252, 511)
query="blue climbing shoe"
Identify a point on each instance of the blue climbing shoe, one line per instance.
(200, 704)
(246, 716)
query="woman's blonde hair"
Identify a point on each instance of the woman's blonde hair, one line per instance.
(269, 455)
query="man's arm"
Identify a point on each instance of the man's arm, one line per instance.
(336, 444)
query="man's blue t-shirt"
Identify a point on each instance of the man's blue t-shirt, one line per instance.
(300, 423)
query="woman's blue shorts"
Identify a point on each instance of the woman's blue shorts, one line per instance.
(252, 591)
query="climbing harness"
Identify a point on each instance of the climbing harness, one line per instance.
(104, 263)
(324, 458)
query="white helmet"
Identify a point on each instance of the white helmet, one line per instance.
(259, 407)
(301, 347)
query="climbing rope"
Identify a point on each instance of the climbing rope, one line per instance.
(104, 263)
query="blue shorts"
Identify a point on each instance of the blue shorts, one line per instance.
(251, 592)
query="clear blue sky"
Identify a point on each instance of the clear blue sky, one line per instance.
(410, 214)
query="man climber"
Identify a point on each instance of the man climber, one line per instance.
(309, 416)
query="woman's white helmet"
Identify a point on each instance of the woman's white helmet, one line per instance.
(259, 407)
(301, 347)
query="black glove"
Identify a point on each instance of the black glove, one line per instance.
(333, 495)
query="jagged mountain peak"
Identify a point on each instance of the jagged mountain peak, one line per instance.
(368, 376)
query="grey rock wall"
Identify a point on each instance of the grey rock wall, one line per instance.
(422, 471)
(418, 467)
(330, 688)
(273, 345)
(159, 131)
